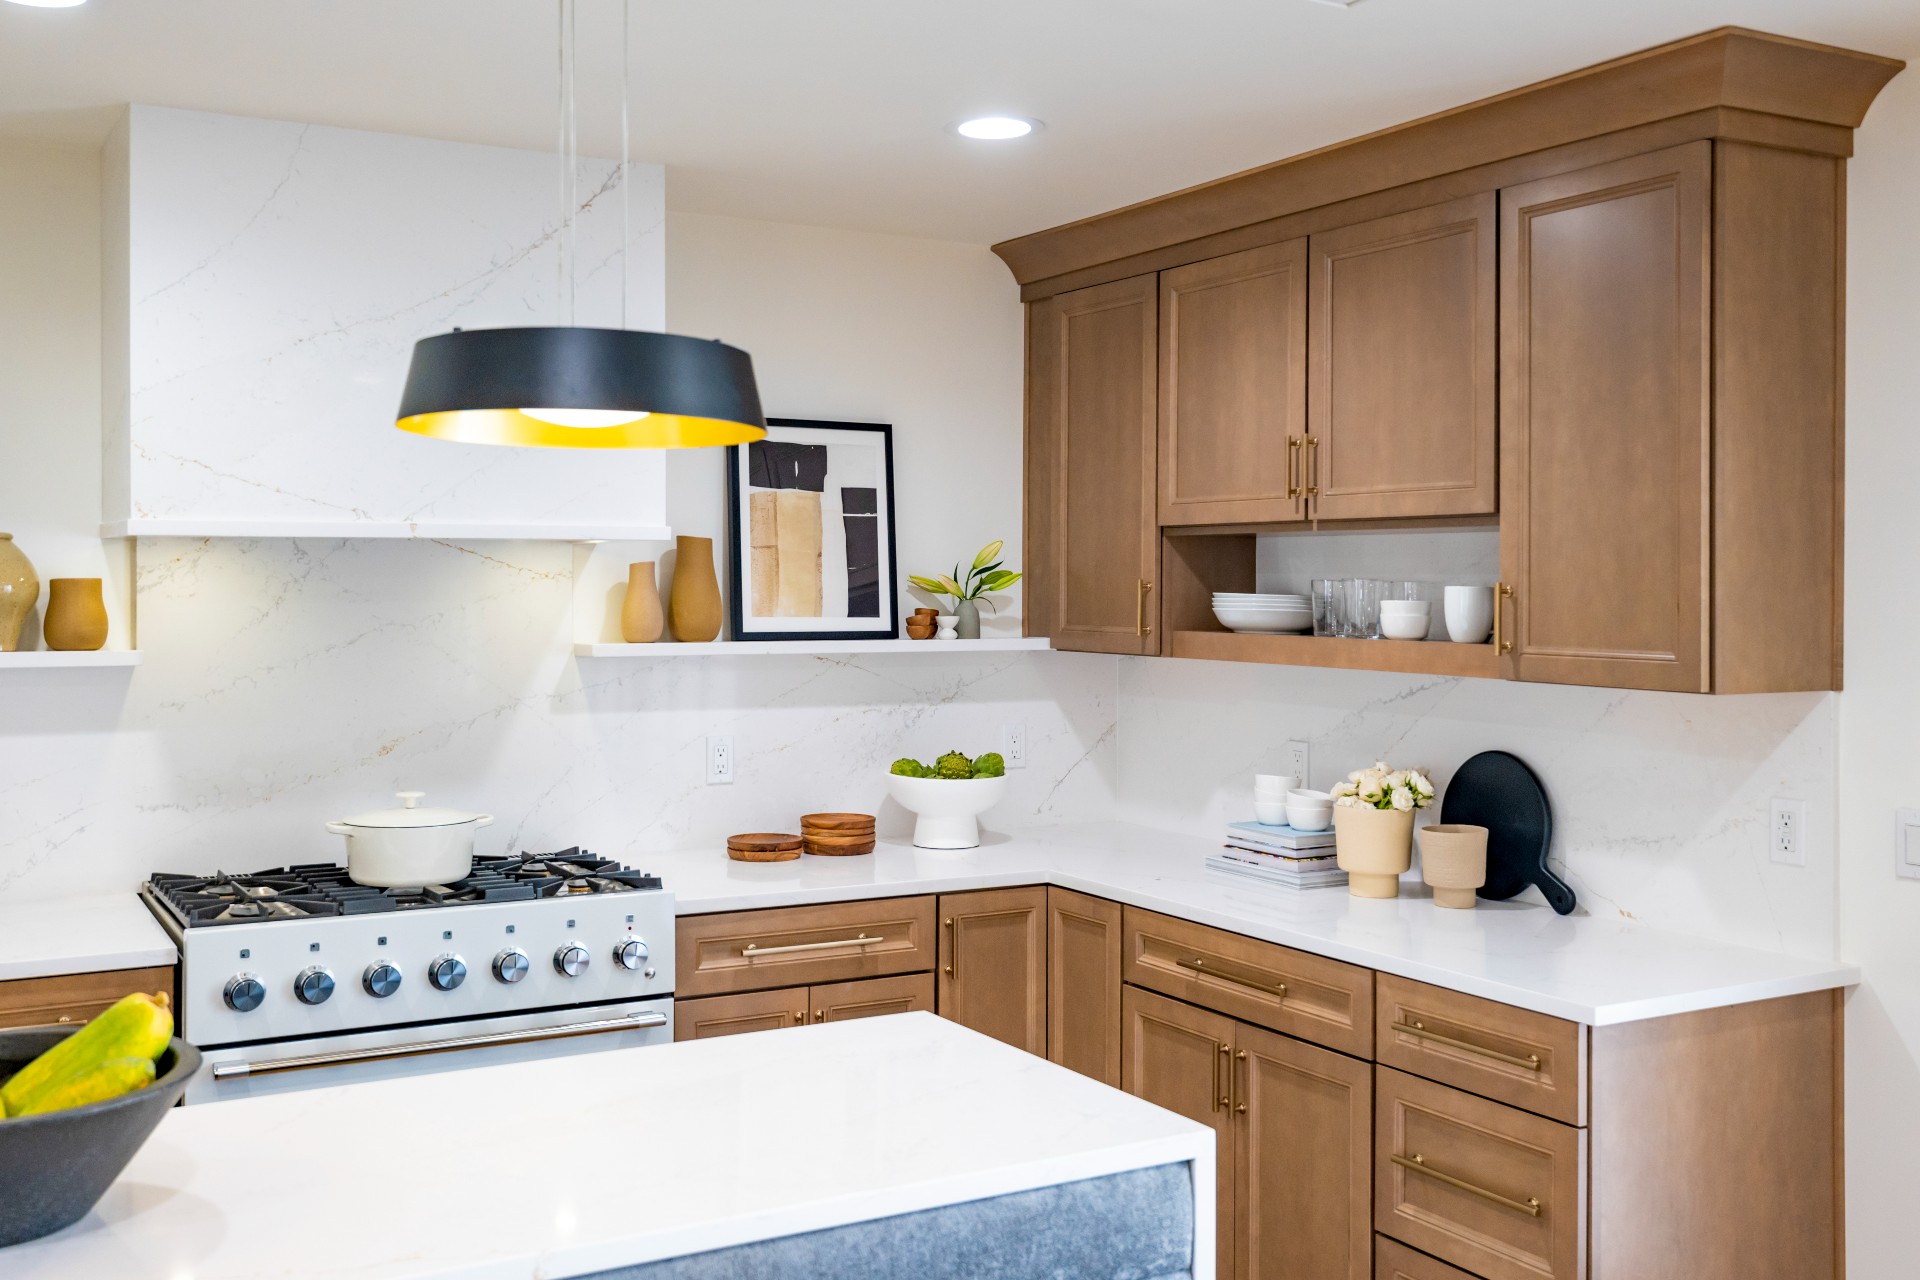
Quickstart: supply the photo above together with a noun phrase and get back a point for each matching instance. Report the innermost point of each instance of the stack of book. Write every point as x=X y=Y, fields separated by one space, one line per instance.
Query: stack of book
x=1279 y=855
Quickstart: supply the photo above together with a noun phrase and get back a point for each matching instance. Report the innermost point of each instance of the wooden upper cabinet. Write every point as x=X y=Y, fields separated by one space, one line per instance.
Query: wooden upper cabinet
x=993 y=964
x=1233 y=387
x=1092 y=405
x=1605 y=423
x=1403 y=371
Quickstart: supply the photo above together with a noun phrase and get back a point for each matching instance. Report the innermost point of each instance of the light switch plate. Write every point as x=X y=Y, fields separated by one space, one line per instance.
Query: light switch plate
x=1906 y=843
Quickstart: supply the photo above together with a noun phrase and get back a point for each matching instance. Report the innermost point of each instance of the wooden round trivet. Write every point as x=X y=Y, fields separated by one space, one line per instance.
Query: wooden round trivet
x=837 y=821
x=764 y=846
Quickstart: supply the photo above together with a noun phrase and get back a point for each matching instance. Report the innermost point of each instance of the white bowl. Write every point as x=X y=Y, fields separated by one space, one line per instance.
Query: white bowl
x=1421 y=607
x=1263 y=620
x=1303 y=818
x=948 y=808
x=1400 y=626
x=1271 y=812
x=1257 y=595
x=1279 y=784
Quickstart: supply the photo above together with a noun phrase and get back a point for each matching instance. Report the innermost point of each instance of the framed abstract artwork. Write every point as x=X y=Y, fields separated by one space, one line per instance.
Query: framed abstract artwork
x=810 y=510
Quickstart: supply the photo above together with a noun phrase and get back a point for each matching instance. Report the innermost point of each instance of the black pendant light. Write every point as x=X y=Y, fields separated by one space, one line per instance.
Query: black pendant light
x=576 y=388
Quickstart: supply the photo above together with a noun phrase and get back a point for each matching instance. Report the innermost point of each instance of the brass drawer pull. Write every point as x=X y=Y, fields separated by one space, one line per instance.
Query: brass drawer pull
x=1417 y=1164
x=1529 y=1063
x=1293 y=466
x=1225 y=975
x=953 y=948
x=1142 y=627
x=755 y=949
x=1240 y=1108
x=1312 y=444
x=1222 y=1098
x=1501 y=593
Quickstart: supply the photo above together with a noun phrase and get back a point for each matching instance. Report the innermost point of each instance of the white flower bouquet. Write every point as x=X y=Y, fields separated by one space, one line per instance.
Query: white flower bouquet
x=1384 y=787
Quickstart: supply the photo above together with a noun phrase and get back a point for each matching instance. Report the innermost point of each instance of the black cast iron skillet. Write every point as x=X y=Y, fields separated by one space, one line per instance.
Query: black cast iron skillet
x=1496 y=791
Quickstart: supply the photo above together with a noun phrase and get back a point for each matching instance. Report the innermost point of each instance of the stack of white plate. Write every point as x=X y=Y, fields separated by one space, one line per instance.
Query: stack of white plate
x=1262 y=611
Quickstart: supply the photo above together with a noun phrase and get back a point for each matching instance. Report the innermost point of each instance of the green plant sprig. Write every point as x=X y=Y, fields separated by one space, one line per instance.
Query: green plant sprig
x=986 y=575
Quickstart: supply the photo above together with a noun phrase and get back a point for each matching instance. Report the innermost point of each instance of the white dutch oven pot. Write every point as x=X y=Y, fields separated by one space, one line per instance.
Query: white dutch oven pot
x=396 y=848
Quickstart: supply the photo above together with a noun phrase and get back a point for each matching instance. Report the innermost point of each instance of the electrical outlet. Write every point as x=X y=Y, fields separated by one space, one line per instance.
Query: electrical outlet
x=1906 y=843
x=1787 y=832
x=1299 y=762
x=719 y=759
x=1013 y=744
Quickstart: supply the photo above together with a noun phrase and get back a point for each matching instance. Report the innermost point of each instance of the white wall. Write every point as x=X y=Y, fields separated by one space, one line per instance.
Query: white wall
x=857 y=326
x=1880 y=710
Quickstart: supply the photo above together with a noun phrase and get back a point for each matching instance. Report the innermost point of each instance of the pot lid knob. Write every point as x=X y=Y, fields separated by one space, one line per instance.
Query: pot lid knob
x=411 y=799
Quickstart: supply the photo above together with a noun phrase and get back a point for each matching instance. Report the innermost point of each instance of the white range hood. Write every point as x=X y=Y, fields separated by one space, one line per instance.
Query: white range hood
x=264 y=285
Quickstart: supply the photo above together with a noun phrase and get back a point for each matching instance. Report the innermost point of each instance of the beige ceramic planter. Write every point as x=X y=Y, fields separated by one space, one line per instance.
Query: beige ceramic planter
x=1453 y=860
x=1373 y=846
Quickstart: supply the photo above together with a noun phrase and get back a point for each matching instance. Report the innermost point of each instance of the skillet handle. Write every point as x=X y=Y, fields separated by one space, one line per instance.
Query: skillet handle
x=1559 y=893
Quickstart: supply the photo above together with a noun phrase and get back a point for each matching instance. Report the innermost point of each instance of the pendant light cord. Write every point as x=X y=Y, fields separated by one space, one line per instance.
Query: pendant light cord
x=626 y=149
x=569 y=160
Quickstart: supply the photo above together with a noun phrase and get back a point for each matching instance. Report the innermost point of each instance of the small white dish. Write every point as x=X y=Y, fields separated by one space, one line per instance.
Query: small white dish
x=1275 y=784
x=1271 y=812
x=1309 y=810
x=1400 y=626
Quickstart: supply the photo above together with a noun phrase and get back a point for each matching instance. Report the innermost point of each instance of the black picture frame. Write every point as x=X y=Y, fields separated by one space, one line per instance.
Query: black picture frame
x=746 y=627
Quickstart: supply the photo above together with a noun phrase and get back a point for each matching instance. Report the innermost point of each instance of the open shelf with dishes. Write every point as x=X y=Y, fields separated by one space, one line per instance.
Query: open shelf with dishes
x=1274 y=574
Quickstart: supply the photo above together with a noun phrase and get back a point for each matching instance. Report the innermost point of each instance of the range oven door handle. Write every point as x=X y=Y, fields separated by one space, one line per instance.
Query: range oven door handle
x=241 y=1070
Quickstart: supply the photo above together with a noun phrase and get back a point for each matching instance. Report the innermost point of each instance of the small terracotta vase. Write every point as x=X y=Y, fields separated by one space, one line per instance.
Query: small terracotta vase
x=641 y=616
x=693 y=604
x=19 y=592
x=1453 y=860
x=76 y=614
x=1373 y=846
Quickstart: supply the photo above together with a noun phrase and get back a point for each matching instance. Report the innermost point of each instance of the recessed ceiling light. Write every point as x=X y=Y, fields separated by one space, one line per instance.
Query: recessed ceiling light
x=50 y=4
x=996 y=128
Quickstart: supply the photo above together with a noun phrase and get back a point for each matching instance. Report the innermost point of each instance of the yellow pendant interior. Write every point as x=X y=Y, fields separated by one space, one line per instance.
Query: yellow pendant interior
x=520 y=427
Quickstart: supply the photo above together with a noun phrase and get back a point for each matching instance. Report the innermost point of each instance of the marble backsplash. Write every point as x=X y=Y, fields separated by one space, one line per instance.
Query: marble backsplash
x=1660 y=801
x=288 y=682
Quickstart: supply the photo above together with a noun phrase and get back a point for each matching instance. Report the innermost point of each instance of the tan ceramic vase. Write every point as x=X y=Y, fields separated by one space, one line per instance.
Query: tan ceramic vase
x=19 y=592
x=693 y=605
x=1453 y=861
x=1373 y=846
x=641 y=616
x=76 y=614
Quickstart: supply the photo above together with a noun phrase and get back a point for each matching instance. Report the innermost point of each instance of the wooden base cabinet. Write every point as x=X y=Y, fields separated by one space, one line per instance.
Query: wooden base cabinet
x=1083 y=984
x=993 y=964
x=797 y=1006
x=75 y=997
x=1294 y=1125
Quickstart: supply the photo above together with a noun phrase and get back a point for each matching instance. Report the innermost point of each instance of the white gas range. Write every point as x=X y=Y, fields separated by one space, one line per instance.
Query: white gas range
x=298 y=977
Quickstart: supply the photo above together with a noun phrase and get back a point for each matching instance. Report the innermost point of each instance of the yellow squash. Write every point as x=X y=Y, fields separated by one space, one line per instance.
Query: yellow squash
x=138 y=1026
x=110 y=1079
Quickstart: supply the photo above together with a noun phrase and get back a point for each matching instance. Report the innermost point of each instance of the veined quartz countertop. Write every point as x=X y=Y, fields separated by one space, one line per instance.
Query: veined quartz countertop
x=80 y=935
x=1579 y=967
x=566 y=1168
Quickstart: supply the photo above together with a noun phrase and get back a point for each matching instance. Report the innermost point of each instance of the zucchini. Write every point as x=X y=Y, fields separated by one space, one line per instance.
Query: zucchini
x=110 y=1079
x=137 y=1026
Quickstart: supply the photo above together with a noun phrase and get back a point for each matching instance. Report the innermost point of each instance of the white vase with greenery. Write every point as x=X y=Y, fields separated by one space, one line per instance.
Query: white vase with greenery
x=969 y=592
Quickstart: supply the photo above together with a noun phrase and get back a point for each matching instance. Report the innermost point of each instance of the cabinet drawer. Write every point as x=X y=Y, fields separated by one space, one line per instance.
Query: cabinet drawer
x=75 y=997
x=1394 y=1261
x=797 y=946
x=1490 y=1188
x=1292 y=991
x=872 y=997
x=736 y=1015
x=1511 y=1055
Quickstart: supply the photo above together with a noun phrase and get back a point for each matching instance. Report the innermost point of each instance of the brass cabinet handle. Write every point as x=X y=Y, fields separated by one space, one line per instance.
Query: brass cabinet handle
x=1313 y=466
x=1240 y=1106
x=1416 y=1028
x=819 y=1015
x=799 y=1015
x=1417 y=1163
x=1501 y=592
x=1222 y=1095
x=1293 y=460
x=1141 y=626
x=755 y=949
x=953 y=948
x=1227 y=975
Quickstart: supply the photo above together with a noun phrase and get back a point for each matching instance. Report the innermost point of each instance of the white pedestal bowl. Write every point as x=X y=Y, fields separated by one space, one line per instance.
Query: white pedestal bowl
x=947 y=808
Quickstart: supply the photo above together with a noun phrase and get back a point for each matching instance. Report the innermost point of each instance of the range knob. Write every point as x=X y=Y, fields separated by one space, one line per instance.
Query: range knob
x=510 y=965
x=244 y=993
x=630 y=954
x=572 y=960
x=313 y=986
x=447 y=972
x=381 y=979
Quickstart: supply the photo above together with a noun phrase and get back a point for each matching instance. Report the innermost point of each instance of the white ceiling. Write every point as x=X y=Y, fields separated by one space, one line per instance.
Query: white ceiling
x=835 y=111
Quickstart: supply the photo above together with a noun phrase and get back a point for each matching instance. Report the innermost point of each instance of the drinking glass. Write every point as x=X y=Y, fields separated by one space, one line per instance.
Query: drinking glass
x=1362 y=614
x=1329 y=607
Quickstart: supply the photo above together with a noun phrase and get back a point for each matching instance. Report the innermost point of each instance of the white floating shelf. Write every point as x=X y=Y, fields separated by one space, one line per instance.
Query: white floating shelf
x=803 y=648
x=449 y=531
x=43 y=658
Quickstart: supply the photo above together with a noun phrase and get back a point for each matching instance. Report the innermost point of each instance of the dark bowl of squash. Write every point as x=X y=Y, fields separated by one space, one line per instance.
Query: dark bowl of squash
x=59 y=1163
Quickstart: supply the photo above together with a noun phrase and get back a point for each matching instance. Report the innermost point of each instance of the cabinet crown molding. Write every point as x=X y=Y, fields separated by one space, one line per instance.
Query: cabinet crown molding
x=1724 y=77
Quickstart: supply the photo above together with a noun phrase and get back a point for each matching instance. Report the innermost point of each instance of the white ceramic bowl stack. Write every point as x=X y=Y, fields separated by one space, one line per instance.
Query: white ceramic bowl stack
x=1309 y=810
x=1270 y=797
x=1262 y=611
x=1405 y=619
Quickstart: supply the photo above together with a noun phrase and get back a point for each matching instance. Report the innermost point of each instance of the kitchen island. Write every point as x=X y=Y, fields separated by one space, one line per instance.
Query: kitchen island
x=623 y=1160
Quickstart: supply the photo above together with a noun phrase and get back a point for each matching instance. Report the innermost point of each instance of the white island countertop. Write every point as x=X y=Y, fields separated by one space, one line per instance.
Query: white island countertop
x=556 y=1169
x=91 y=934
x=1583 y=968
